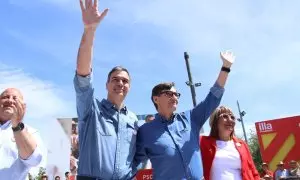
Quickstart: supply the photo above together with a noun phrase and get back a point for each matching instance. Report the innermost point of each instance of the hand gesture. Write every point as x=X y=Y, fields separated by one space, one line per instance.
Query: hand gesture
x=19 y=112
x=91 y=16
x=227 y=58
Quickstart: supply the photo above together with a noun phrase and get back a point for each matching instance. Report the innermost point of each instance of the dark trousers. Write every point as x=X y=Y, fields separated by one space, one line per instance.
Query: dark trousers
x=85 y=178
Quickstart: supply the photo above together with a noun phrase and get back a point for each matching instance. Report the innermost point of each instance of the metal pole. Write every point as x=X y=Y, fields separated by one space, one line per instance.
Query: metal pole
x=190 y=82
x=242 y=121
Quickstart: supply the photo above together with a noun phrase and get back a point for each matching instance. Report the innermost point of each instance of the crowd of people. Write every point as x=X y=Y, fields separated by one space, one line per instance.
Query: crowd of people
x=107 y=142
x=293 y=172
x=44 y=176
x=74 y=150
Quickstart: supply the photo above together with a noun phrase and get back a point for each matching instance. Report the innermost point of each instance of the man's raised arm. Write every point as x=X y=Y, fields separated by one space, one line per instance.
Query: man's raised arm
x=91 y=18
x=204 y=109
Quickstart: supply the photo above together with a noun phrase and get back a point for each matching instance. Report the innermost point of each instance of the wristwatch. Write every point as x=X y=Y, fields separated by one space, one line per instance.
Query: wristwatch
x=226 y=69
x=19 y=127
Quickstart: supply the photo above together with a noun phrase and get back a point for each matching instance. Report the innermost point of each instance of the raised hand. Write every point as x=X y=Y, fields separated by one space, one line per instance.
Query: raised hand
x=228 y=58
x=19 y=112
x=91 y=16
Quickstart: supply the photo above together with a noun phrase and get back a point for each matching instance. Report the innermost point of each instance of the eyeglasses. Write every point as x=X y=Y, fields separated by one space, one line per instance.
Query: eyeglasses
x=227 y=116
x=170 y=94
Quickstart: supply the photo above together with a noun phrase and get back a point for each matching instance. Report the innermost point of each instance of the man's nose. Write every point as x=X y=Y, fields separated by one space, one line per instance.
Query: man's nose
x=10 y=99
x=120 y=82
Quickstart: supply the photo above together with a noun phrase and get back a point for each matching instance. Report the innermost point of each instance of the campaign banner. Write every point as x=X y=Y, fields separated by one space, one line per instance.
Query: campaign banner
x=279 y=140
x=144 y=174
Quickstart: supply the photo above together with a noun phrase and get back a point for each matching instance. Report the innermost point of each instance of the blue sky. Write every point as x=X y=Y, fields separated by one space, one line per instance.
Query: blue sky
x=40 y=39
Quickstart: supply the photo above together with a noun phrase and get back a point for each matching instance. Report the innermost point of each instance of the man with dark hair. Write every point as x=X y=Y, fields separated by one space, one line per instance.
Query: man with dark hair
x=171 y=141
x=57 y=178
x=107 y=129
x=149 y=118
x=67 y=175
x=280 y=172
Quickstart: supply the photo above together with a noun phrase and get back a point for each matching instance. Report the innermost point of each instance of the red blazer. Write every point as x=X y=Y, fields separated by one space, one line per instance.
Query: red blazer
x=208 y=150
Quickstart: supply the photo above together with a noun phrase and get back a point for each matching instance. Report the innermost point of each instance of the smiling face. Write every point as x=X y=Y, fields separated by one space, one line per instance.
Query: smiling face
x=165 y=98
x=226 y=124
x=118 y=85
x=8 y=100
x=222 y=123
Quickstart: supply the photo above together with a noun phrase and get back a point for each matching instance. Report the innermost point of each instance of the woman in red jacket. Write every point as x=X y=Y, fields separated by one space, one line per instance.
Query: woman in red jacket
x=224 y=156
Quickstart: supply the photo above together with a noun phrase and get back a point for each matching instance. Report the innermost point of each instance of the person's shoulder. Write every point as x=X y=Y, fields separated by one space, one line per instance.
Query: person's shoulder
x=132 y=115
x=185 y=114
x=239 y=142
x=148 y=126
x=132 y=118
x=236 y=139
x=144 y=126
x=206 y=139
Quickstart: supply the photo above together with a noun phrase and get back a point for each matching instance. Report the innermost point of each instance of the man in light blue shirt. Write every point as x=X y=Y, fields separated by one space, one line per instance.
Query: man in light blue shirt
x=107 y=129
x=171 y=140
x=281 y=172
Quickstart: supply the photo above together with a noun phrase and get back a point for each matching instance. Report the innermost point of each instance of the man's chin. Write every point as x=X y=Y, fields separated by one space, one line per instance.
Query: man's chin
x=7 y=114
x=118 y=96
x=174 y=108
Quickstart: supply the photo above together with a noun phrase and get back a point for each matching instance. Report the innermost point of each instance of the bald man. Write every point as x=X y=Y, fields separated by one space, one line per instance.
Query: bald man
x=20 y=145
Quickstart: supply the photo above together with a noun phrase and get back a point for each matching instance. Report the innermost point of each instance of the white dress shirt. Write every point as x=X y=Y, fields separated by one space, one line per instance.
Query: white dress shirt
x=227 y=162
x=12 y=167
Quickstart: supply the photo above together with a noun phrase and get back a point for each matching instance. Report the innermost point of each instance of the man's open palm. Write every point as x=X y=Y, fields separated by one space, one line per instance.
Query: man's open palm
x=90 y=14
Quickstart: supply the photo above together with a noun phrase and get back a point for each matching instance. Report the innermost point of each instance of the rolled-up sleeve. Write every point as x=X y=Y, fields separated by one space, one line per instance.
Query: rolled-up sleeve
x=217 y=90
x=84 y=94
x=39 y=155
x=34 y=159
x=204 y=109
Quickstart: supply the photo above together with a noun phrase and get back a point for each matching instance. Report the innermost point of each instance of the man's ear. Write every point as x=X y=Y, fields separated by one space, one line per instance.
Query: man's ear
x=155 y=99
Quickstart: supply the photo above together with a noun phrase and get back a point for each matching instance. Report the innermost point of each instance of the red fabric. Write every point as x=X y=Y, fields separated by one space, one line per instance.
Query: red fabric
x=268 y=172
x=72 y=177
x=208 y=150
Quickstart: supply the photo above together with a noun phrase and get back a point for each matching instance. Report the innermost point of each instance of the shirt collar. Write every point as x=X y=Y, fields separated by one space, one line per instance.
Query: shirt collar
x=108 y=105
x=164 y=120
x=5 y=125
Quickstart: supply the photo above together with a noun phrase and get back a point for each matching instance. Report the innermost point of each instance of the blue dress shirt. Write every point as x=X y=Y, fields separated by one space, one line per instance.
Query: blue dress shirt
x=107 y=137
x=173 y=145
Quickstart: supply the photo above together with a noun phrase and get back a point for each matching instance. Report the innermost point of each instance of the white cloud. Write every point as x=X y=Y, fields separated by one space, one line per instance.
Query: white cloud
x=43 y=99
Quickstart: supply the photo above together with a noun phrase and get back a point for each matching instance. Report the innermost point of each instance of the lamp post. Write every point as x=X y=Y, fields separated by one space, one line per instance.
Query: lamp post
x=190 y=82
x=242 y=114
